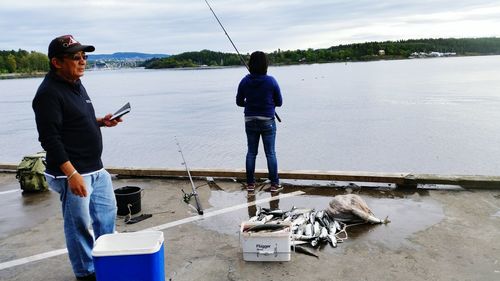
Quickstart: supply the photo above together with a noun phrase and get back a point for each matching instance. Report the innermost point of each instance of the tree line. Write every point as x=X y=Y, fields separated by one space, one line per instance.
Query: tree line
x=194 y=59
x=351 y=52
x=22 y=61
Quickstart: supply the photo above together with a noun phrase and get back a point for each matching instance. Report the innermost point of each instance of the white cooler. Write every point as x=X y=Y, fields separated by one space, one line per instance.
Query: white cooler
x=265 y=246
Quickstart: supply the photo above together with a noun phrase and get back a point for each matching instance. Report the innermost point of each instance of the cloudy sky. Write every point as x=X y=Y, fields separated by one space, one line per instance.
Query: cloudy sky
x=176 y=26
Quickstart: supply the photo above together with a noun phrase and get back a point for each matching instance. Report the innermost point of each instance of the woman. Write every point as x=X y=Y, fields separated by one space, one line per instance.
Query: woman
x=259 y=93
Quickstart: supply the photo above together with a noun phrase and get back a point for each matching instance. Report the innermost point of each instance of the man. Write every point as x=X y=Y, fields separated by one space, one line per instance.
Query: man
x=70 y=133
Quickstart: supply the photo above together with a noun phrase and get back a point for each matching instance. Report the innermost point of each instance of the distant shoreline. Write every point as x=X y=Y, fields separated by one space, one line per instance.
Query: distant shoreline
x=21 y=75
x=6 y=76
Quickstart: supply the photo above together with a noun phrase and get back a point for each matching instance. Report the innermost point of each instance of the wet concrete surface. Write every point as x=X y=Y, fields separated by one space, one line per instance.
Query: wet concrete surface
x=433 y=234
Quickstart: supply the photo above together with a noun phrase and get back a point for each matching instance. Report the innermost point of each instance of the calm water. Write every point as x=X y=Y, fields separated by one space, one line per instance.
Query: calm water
x=420 y=116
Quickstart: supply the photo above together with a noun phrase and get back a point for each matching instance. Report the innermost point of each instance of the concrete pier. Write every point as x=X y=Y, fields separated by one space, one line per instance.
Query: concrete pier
x=433 y=234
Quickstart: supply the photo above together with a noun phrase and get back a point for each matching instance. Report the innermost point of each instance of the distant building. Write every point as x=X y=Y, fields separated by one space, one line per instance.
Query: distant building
x=381 y=52
x=99 y=64
x=415 y=55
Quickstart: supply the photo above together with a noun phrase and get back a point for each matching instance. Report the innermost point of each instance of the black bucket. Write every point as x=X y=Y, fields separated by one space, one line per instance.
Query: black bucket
x=128 y=195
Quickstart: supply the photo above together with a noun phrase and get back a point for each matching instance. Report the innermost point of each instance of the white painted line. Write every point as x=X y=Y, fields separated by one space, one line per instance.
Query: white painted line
x=223 y=211
x=38 y=257
x=54 y=253
x=9 y=191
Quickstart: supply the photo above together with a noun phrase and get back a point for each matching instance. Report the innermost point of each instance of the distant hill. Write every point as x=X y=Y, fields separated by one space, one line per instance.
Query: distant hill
x=125 y=56
x=369 y=51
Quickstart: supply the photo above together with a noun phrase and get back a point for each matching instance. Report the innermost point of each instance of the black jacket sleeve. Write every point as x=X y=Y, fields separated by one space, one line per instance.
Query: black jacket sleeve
x=49 y=117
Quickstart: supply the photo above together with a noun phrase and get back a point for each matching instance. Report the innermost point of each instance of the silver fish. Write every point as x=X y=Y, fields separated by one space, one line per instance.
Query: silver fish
x=266 y=218
x=337 y=226
x=316 y=229
x=314 y=242
x=267 y=226
x=324 y=233
x=332 y=240
x=299 y=220
x=300 y=229
x=298 y=242
x=257 y=213
x=312 y=217
x=304 y=250
x=253 y=219
x=302 y=237
x=300 y=211
x=320 y=214
x=309 y=230
x=277 y=212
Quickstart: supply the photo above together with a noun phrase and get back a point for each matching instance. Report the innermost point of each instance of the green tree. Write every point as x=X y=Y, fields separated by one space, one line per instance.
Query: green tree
x=11 y=64
x=38 y=62
x=352 y=52
x=3 y=67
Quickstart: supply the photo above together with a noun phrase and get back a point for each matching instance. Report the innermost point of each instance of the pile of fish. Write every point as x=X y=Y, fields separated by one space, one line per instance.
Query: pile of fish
x=307 y=225
x=312 y=227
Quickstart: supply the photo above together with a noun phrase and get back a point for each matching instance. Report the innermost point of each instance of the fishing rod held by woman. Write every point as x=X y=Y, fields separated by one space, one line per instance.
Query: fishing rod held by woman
x=260 y=93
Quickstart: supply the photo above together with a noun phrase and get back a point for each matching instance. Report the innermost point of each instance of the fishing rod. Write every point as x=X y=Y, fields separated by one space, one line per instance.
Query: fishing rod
x=234 y=46
x=187 y=196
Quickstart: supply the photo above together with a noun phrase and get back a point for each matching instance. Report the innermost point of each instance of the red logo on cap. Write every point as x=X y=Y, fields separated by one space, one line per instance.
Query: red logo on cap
x=71 y=41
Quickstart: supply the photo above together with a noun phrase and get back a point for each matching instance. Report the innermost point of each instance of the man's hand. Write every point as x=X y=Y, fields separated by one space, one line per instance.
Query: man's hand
x=77 y=185
x=75 y=180
x=107 y=122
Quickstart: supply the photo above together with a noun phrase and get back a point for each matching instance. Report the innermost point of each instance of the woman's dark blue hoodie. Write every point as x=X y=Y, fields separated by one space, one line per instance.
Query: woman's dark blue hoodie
x=259 y=94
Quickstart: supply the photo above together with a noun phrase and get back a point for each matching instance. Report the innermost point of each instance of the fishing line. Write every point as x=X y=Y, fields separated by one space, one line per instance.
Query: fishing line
x=234 y=46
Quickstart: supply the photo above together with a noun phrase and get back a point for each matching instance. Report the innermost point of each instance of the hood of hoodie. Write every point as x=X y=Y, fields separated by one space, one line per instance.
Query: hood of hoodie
x=256 y=79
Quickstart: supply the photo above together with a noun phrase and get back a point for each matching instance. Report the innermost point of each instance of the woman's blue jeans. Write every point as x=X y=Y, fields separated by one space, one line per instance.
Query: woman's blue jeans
x=98 y=209
x=267 y=130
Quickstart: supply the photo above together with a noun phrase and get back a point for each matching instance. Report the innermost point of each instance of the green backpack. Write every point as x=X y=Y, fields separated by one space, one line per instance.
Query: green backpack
x=30 y=173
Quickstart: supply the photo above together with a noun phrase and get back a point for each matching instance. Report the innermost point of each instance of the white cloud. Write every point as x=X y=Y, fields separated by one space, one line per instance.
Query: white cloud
x=174 y=26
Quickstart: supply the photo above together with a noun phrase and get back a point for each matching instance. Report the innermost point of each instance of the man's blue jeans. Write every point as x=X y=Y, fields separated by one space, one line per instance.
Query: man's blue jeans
x=267 y=129
x=98 y=209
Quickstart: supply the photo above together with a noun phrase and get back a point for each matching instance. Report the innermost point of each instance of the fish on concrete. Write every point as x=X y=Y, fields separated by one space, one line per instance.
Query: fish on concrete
x=266 y=227
x=306 y=251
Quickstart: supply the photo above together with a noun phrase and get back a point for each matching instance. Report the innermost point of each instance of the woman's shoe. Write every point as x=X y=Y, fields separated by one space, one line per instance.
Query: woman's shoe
x=250 y=187
x=276 y=188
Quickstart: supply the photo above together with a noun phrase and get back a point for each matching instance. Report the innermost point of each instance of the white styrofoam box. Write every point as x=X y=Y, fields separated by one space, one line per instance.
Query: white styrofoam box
x=265 y=246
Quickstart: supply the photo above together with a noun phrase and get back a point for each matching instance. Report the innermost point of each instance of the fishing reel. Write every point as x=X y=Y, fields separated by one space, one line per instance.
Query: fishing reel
x=186 y=196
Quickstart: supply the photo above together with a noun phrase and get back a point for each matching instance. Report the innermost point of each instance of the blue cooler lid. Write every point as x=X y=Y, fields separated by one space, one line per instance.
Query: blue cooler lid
x=130 y=243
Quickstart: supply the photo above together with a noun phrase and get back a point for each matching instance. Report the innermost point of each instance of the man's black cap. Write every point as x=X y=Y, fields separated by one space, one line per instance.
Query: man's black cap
x=66 y=44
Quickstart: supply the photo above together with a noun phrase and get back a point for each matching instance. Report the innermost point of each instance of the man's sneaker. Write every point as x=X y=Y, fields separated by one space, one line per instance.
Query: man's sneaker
x=250 y=187
x=276 y=188
x=90 y=277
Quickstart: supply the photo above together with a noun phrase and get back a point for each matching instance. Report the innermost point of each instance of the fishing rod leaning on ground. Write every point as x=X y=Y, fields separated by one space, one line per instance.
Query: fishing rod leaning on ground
x=187 y=196
x=234 y=46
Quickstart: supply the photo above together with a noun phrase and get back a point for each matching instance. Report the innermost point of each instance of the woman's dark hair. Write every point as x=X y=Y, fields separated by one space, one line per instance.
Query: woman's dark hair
x=258 y=63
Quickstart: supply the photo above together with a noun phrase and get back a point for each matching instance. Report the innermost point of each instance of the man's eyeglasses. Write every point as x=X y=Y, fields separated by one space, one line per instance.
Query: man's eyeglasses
x=78 y=57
